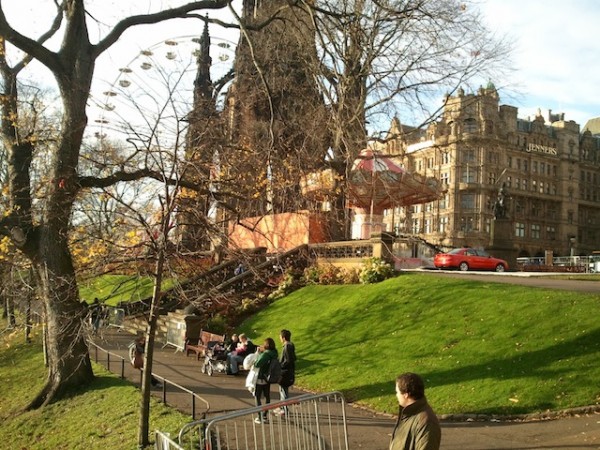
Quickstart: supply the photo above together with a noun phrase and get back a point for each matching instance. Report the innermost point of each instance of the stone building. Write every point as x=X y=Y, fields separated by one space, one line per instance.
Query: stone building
x=550 y=172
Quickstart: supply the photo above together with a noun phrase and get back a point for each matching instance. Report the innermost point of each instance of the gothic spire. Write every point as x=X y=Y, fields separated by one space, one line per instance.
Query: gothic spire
x=203 y=83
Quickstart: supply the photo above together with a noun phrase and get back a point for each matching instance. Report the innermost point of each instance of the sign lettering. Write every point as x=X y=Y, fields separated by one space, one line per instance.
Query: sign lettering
x=536 y=148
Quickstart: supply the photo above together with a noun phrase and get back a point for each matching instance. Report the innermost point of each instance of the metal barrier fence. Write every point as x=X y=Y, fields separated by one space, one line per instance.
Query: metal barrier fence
x=163 y=441
x=306 y=422
x=116 y=316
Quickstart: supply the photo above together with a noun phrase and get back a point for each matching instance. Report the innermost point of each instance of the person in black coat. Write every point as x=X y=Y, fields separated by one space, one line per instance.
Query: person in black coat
x=288 y=365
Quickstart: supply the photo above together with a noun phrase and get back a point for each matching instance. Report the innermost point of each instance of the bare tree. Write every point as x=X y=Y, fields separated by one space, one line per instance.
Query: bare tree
x=45 y=241
x=381 y=58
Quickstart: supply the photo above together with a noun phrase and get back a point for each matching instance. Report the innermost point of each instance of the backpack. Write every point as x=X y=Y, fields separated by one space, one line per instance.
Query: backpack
x=274 y=371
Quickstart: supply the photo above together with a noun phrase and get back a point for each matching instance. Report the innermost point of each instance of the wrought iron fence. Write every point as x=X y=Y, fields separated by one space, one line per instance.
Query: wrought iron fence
x=310 y=421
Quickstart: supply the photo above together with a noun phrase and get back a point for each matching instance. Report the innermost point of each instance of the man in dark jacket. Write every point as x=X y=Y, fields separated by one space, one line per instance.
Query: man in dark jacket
x=288 y=367
x=417 y=427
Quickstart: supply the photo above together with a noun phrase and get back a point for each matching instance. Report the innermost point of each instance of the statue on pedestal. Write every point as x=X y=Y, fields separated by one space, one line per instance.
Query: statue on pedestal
x=501 y=204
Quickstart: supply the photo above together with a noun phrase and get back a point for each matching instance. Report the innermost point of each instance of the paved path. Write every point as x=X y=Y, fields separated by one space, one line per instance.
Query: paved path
x=541 y=280
x=366 y=430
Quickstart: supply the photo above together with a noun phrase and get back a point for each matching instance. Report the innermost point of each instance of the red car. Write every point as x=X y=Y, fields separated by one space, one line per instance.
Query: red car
x=469 y=258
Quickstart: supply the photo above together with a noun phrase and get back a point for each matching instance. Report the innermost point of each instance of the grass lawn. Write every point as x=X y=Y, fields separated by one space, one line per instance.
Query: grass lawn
x=103 y=416
x=482 y=347
x=115 y=289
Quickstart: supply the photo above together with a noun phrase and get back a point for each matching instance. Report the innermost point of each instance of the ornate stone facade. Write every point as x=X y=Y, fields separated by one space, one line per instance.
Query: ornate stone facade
x=550 y=171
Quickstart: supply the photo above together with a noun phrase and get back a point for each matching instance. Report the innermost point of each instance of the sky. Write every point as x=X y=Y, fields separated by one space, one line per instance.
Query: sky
x=555 y=53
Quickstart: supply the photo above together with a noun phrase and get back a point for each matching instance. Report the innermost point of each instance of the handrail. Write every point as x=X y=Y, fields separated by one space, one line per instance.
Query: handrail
x=165 y=381
x=109 y=354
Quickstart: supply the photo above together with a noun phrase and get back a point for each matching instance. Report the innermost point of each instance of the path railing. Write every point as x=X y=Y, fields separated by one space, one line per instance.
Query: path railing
x=112 y=359
x=310 y=421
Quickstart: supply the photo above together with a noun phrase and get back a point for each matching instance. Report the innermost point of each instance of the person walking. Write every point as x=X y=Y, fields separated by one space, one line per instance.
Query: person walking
x=263 y=388
x=417 y=427
x=288 y=367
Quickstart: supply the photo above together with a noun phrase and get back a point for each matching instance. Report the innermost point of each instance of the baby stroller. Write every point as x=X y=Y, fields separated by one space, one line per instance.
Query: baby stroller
x=215 y=358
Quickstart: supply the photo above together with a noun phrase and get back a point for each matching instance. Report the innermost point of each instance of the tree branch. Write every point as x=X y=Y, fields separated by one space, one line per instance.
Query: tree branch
x=149 y=19
x=34 y=49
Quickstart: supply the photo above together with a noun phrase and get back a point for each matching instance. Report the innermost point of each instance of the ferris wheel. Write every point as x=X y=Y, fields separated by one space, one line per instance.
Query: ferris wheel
x=149 y=98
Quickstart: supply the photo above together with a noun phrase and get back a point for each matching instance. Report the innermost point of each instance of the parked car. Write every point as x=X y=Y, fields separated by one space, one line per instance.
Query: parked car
x=469 y=259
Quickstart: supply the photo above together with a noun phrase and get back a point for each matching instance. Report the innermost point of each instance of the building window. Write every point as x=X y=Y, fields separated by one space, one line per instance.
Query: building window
x=535 y=231
x=570 y=217
x=551 y=212
x=535 y=209
x=445 y=158
x=415 y=226
x=508 y=182
x=551 y=233
x=525 y=165
x=469 y=175
x=468 y=223
x=492 y=178
x=443 y=224
x=445 y=178
x=469 y=155
x=519 y=229
x=525 y=186
x=427 y=223
x=467 y=201
x=444 y=202
x=509 y=162
x=470 y=126
x=534 y=166
x=541 y=187
x=542 y=168
x=517 y=184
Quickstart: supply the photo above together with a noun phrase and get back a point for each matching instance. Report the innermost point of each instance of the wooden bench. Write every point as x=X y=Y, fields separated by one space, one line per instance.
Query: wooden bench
x=199 y=345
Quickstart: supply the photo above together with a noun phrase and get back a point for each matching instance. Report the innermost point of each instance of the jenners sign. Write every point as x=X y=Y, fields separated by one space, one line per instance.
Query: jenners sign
x=535 y=148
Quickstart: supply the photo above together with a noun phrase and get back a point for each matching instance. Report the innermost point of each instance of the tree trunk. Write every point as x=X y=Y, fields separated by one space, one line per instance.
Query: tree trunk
x=69 y=365
x=144 y=424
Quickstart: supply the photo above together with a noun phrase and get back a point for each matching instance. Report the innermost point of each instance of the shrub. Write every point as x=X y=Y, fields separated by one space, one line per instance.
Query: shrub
x=311 y=275
x=350 y=276
x=290 y=281
x=375 y=270
x=217 y=324
x=330 y=274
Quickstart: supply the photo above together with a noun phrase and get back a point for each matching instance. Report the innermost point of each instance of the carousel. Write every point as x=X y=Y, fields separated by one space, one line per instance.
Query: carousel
x=376 y=183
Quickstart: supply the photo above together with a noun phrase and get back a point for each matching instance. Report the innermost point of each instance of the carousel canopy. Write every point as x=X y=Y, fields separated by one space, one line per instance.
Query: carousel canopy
x=376 y=182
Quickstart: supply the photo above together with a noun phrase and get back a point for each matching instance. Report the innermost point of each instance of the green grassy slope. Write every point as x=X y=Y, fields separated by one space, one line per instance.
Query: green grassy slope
x=481 y=347
x=115 y=289
x=104 y=416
